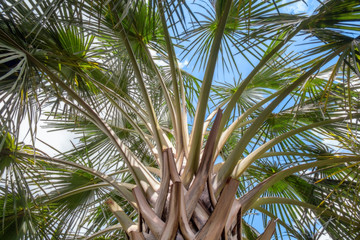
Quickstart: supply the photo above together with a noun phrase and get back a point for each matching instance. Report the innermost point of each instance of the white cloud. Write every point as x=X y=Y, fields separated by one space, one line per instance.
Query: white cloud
x=332 y=143
x=162 y=63
x=183 y=64
x=324 y=75
x=319 y=229
x=60 y=140
x=298 y=7
x=158 y=62
x=325 y=236
x=326 y=140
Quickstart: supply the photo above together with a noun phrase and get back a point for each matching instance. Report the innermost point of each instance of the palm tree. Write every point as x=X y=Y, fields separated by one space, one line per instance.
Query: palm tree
x=163 y=154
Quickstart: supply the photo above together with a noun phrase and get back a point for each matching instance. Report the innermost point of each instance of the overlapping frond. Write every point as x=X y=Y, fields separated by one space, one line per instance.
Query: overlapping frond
x=285 y=148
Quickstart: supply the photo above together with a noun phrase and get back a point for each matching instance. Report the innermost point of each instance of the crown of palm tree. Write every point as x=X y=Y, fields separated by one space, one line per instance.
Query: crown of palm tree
x=239 y=147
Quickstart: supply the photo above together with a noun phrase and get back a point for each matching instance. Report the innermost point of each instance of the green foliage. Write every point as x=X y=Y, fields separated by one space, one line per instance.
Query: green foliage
x=110 y=72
